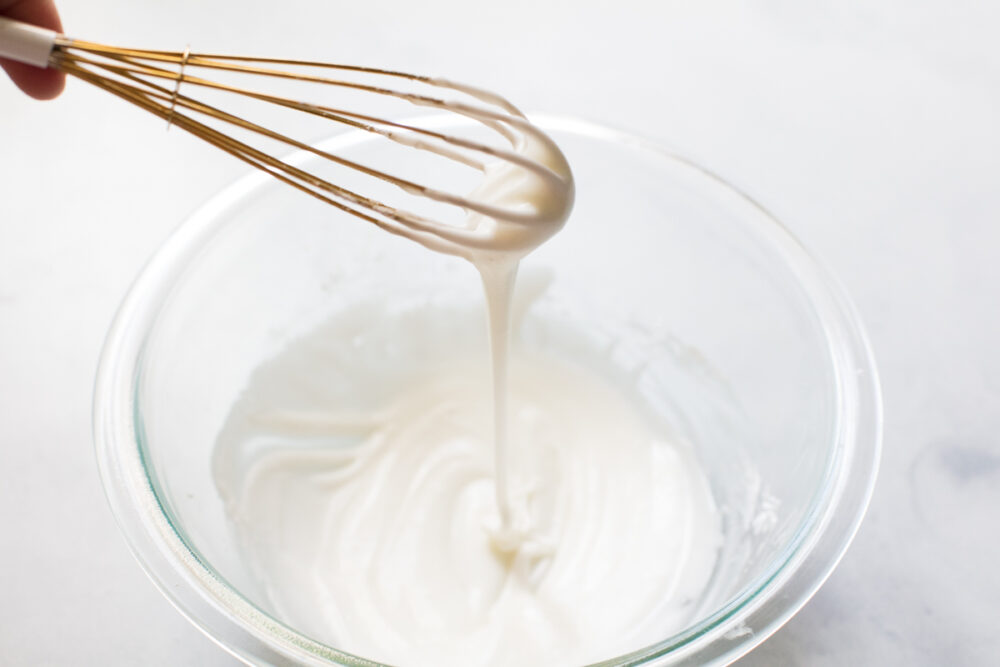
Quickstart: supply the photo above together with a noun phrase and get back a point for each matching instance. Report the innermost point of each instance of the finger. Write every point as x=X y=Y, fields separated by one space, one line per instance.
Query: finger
x=39 y=83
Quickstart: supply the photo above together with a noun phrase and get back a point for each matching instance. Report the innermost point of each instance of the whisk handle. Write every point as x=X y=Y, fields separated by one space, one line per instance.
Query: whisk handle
x=26 y=43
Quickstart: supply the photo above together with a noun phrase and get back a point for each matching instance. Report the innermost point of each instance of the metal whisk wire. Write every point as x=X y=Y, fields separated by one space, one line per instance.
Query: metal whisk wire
x=159 y=82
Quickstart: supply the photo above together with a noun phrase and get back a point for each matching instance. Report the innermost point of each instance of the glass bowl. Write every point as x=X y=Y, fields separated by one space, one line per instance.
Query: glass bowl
x=733 y=333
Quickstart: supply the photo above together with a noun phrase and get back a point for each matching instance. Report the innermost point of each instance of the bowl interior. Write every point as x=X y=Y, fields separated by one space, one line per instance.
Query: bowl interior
x=663 y=277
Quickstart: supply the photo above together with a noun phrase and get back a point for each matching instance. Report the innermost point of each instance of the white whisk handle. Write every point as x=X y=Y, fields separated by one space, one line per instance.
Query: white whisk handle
x=26 y=43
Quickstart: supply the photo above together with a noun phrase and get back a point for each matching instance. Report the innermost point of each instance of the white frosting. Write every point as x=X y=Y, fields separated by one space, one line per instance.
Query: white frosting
x=549 y=200
x=387 y=548
x=524 y=195
x=548 y=524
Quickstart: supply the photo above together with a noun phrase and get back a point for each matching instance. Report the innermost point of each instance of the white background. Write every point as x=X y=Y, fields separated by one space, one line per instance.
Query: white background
x=871 y=129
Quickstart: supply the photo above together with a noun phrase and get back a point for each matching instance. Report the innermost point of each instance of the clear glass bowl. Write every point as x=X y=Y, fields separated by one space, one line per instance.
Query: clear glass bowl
x=737 y=337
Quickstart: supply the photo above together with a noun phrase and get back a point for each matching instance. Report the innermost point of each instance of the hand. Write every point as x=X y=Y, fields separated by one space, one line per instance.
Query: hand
x=42 y=84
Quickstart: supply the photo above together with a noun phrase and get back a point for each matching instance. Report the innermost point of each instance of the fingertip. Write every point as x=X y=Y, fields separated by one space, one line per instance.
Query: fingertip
x=42 y=13
x=47 y=84
x=41 y=84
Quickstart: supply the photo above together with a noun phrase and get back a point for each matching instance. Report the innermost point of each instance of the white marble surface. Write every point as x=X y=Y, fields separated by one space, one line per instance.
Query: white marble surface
x=872 y=129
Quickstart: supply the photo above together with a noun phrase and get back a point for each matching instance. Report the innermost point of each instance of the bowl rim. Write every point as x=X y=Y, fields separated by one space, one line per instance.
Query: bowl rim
x=252 y=636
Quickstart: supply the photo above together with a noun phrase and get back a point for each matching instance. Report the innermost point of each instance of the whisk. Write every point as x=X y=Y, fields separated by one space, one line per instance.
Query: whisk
x=159 y=82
